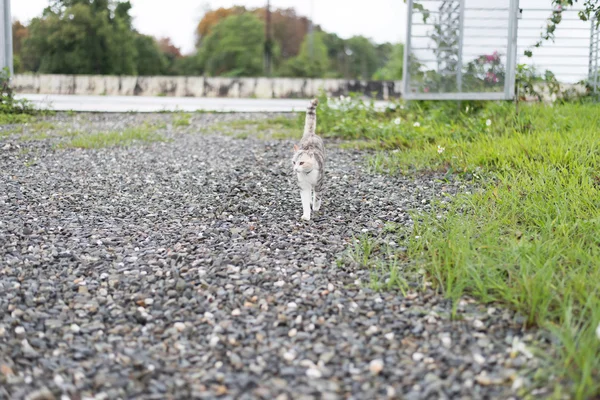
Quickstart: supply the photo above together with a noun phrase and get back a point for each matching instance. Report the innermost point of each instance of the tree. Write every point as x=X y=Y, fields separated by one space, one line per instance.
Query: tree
x=362 y=60
x=313 y=60
x=394 y=67
x=150 y=59
x=81 y=37
x=171 y=53
x=19 y=33
x=234 y=47
x=337 y=56
x=212 y=18
x=288 y=29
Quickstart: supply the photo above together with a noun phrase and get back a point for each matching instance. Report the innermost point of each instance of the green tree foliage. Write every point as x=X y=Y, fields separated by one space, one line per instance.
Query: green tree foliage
x=313 y=60
x=19 y=33
x=150 y=59
x=234 y=47
x=362 y=61
x=81 y=37
x=393 y=68
x=337 y=57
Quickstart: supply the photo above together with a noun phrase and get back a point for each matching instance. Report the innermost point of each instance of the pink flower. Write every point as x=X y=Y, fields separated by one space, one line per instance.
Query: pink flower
x=426 y=90
x=491 y=77
x=494 y=57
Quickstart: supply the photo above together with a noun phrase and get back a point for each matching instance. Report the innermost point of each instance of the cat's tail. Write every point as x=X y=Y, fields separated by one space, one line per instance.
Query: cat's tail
x=310 y=124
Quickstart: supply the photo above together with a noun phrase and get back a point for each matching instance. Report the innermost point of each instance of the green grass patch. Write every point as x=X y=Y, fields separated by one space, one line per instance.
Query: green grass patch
x=278 y=128
x=529 y=236
x=127 y=137
x=182 y=120
x=9 y=119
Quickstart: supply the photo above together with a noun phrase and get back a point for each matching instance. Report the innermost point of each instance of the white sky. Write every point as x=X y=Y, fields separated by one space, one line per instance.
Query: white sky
x=380 y=20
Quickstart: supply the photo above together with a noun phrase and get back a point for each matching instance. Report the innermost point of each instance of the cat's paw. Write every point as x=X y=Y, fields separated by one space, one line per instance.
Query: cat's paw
x=305 y=217
x=317 y=206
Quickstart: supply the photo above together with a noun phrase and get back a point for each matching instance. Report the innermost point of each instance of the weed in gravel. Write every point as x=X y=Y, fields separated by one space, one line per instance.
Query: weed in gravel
x=277 y=128
x=182 y=120
x=125 y=137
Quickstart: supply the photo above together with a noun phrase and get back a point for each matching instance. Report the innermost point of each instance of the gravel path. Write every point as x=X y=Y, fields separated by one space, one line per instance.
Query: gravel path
x=182 y=270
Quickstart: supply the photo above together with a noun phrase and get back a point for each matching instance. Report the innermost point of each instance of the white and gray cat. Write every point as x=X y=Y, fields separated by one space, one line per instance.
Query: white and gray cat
x=309 y=163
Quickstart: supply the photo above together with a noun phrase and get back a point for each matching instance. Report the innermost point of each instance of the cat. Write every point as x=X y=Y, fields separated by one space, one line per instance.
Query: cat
x=309 y=163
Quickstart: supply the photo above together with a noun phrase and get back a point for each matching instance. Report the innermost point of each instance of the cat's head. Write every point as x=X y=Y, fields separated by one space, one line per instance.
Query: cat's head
x=303 y=161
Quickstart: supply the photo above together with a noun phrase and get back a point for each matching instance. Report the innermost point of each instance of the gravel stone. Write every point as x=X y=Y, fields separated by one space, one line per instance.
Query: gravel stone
x=181 y=269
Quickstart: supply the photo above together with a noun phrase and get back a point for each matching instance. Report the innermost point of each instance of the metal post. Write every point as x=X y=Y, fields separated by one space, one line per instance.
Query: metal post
x=461 y=22
x=597 y=37
x=591 y=58
x=6 y=56
x=511 y=56
x=406 y=72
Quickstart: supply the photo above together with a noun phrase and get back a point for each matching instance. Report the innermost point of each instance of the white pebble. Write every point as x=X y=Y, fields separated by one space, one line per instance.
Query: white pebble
x=478 y=324
x=418 y=356
x=214 y=340
x=479 y=359
x=236 y=312
x=208 y=315
x=372 y=330
x=180 y=326
x=75 y=328
x=148 y=301
x=313 y=373
x=59 y=380
x=292 y=305
x=279 y=283
x=293 y=332
x=389 y=336
x=446 y=341
x=330 y=287
x=289 y=355
x=376 y=366
x=19 y=330
x=517 y=384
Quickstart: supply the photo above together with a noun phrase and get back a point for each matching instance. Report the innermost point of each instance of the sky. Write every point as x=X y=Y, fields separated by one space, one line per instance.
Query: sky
x=380 y=20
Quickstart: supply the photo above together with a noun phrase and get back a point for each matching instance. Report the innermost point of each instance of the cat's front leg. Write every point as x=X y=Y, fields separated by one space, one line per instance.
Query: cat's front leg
x=305 y=196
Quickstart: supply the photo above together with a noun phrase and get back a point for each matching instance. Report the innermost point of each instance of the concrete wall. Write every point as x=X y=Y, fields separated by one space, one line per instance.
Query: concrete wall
x=196 y=86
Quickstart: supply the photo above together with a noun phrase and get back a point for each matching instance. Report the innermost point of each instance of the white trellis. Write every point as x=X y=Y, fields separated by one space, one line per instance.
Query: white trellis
x=469 y=49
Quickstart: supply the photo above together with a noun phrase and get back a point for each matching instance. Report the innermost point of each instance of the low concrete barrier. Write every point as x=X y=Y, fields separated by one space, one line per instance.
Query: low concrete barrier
x=196 y=86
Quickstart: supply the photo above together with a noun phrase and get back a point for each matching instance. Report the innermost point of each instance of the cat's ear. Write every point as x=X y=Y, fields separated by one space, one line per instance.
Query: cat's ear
x=296 y=148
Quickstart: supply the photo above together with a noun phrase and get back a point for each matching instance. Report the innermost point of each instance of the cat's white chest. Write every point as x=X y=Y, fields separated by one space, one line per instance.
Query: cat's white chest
x=308 y=181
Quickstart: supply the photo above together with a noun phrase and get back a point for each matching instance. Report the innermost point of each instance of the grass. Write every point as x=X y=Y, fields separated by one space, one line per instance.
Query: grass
x=182 y=120
x=273 y=128
x=9 y=119
x=529 y=236
x=125 y=137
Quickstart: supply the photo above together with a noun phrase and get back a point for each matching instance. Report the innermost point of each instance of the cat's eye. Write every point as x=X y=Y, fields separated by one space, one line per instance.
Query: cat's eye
x=302 y=163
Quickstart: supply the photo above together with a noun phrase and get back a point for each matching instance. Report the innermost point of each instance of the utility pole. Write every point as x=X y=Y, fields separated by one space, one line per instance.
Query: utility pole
x=6 y=56
x=268 y=40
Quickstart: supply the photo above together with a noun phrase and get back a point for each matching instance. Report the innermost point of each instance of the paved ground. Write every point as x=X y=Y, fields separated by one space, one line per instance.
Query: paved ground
x=182 y=270
x=158 y=104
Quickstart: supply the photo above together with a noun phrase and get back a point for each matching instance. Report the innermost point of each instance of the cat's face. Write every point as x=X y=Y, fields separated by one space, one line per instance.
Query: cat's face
x=303 y=161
